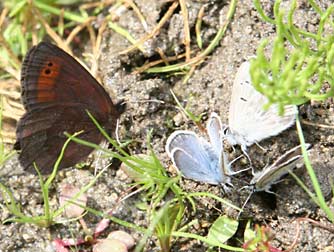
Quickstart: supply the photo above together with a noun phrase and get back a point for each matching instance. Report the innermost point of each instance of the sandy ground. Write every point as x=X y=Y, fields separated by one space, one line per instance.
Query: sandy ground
x=151 y=106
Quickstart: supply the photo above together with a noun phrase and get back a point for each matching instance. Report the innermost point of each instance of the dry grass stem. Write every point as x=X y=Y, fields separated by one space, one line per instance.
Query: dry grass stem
x=96 y=4
x=155 y=31
x=157 y=62
x=78 y=29
x=186 y=40
x=138 y=13
x=319 y=125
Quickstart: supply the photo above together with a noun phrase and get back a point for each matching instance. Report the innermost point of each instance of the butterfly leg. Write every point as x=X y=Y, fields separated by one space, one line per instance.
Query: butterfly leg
x=244 y=151
x=226 y=187
x=231 y=172
x=262 y=148
x=271 y=192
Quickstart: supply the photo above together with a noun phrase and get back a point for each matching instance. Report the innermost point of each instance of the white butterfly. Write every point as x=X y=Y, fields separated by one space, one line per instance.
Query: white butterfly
x=248 y=122
x=198 y=159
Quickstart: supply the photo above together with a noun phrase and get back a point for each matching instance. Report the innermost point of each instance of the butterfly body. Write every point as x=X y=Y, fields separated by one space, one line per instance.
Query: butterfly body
x=57 y=92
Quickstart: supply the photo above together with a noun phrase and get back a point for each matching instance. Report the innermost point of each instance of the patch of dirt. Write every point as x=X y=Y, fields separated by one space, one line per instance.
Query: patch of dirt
x=150 y=105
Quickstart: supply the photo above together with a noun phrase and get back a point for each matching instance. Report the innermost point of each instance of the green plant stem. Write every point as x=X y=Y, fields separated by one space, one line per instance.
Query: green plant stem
x=68 y=15
x=313 y=177
x=123 y=32
x=259 y=9
x=206 y=240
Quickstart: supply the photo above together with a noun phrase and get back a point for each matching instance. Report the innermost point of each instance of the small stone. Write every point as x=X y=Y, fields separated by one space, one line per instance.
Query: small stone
x=68 y=191
x=110 y=245
x=178 y=119
x=123 y=237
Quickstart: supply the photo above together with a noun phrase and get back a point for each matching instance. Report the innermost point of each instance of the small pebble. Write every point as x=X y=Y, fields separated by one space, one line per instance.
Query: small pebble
x=123 y=237
x=67 y=192
x=109 y=245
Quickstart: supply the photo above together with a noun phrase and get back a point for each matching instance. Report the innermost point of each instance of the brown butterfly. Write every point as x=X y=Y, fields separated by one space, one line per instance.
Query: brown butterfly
x=57 y=92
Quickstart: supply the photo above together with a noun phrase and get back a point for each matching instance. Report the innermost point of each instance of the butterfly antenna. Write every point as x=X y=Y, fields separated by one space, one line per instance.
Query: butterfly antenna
x=116 y=132
x=247 y=199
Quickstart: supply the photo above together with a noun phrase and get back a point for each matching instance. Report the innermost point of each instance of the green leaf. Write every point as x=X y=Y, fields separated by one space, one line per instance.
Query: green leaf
x=223 y=229
x=249 y=233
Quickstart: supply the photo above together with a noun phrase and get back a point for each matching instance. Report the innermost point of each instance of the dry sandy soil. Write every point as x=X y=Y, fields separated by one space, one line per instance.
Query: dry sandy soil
x=151 y=106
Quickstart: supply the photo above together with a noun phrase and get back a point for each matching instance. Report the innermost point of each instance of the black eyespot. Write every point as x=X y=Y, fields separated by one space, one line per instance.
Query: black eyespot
x=47 y=71
x=50 y=64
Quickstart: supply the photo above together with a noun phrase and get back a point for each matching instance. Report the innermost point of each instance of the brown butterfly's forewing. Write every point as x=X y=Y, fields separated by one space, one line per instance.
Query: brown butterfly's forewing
x=56 y=92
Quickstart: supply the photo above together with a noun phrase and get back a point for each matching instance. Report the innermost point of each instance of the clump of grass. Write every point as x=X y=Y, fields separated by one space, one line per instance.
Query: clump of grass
x=47 y=219
x=165 y=215
x=301 y=65
x=4 y=153
x=22 y=21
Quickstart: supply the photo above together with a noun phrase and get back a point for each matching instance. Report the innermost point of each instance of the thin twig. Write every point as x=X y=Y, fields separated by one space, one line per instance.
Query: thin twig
x=104 y=3
x=77 y=29
x=138 y=13
x=162 y=55
x=206 y=52
x=97 y=46
x=313 y=222
x=157 y=62
x=186 y=40
x=5 y=45
x=319 y=125
x=155 y=31
x=198 y=26
x=3 y=17
x=50 y=31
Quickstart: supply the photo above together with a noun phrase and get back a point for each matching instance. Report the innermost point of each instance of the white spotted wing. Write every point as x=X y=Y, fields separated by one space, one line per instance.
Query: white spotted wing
x=248 y=122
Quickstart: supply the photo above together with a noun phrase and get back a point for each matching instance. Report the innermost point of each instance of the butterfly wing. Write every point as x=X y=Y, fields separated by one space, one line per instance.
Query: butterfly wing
x=56 y=92
x=263 y=180
x=248 y=122
x=194 y=157
x=215 y=132
x=192 y=168
x=50 y=76
x=42 y=137
x=214 y=129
